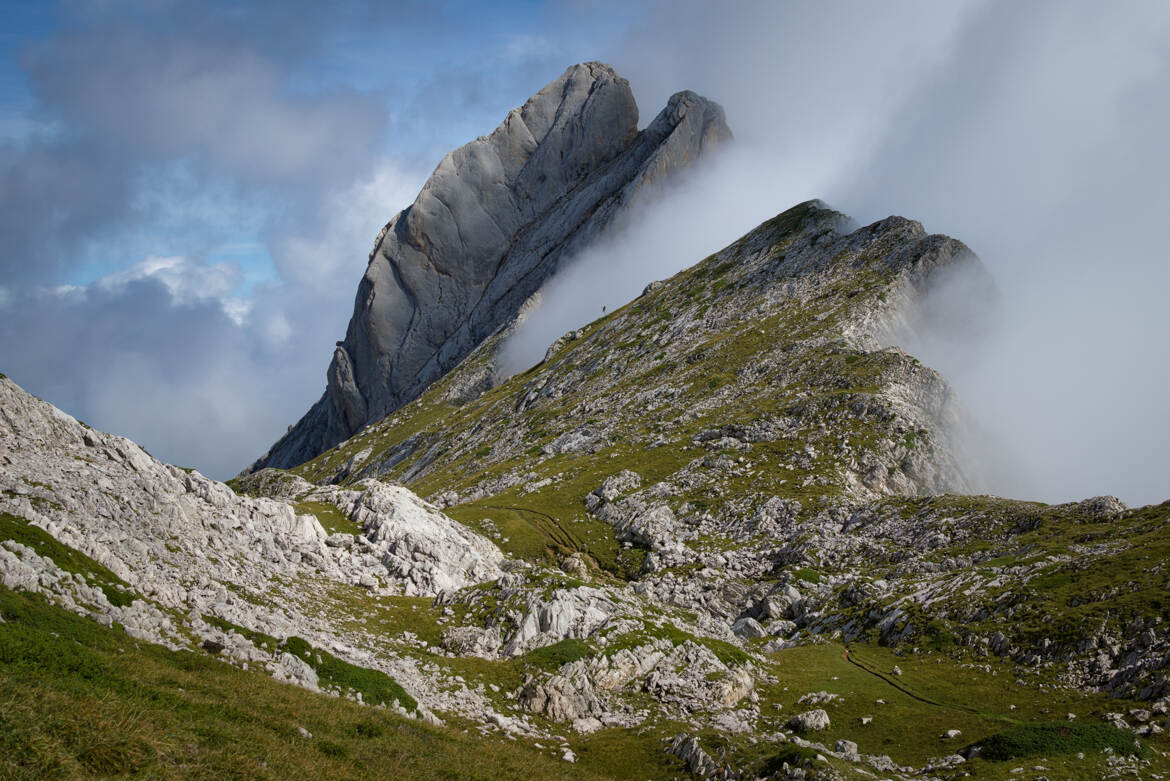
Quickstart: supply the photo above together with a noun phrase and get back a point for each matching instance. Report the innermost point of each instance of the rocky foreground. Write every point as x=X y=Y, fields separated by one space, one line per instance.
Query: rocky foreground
x=725 y=530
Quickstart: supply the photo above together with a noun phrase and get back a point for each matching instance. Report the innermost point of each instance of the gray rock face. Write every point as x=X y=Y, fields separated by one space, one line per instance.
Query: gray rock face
x=190 y=549
x=688 y=749
x=496 y=219
x=810 y=721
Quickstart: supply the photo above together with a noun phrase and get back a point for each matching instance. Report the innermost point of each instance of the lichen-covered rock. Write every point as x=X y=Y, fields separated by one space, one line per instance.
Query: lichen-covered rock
x=566 y=696
x=810 y=721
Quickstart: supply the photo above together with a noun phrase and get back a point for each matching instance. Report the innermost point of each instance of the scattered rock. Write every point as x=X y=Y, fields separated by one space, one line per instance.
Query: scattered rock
x=748 y=628
x=810 y=721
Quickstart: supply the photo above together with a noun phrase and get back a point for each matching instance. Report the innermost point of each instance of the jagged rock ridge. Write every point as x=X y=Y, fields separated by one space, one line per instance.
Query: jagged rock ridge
x=496 y=219
x=725 y=341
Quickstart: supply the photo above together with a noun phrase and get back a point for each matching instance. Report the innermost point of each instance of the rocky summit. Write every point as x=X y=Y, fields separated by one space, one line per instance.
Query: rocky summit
x=729 y=530
x=496 y=219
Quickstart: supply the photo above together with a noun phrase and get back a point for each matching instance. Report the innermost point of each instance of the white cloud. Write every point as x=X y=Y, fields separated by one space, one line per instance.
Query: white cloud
x=188 y=282
x=168 y=353
x=1033 y=132
x=333 y=259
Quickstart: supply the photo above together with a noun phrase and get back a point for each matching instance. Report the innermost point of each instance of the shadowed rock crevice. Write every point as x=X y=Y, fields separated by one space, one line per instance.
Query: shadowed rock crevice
x=497 y=218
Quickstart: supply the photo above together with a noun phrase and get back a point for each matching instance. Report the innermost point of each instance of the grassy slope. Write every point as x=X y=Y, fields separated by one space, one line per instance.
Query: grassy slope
x=80 y=700
x=979 y=704
x=1045 y=572
x=705 y=332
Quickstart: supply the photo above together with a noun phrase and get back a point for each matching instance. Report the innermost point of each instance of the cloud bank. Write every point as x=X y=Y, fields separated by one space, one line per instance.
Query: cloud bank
x=1033 y=132
x=188 y=206
x=191 y=200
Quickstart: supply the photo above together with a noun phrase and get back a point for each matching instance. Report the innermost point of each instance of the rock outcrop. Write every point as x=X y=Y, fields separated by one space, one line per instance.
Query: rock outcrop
x=162 y=529
x=174 y=552
x=496 y=219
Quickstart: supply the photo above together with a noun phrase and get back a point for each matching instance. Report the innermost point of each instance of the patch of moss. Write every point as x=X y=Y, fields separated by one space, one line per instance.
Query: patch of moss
x=19 y=530
x=331 y=519
x=1060 y=737
x=374 y=686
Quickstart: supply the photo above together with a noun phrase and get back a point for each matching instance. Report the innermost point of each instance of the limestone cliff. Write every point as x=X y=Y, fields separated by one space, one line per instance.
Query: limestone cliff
x=495 y=220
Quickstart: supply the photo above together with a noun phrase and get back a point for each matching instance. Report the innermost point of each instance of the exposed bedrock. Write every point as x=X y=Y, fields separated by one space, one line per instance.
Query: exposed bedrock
x=495 y=220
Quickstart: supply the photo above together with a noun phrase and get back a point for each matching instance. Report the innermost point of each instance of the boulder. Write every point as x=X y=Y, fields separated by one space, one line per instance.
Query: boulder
x=810 y=721
x=699 y=762
x=566 y=696
x=748 y=628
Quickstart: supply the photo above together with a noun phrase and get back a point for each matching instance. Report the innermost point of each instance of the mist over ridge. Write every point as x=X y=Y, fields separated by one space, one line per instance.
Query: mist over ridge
x=1026 y=132
x=1033 y=133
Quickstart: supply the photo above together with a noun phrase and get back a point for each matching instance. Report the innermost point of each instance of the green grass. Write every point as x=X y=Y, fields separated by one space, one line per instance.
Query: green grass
x=80 y=701
x=376 y=687
x=333 y=520
x=1075 y=573
x=68 y=559
x=792 y=755
x=258 y=639
x=807 y=575
x=356 y=609
x=727 y=653
x=552 y=657
x=980 y=704
x=1046 y=739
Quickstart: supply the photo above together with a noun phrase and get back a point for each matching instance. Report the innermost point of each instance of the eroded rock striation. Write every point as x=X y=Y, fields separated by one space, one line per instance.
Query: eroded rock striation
x=496 y=219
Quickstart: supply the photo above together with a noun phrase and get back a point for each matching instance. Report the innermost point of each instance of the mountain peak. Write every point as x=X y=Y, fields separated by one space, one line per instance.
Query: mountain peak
x=497 y=218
